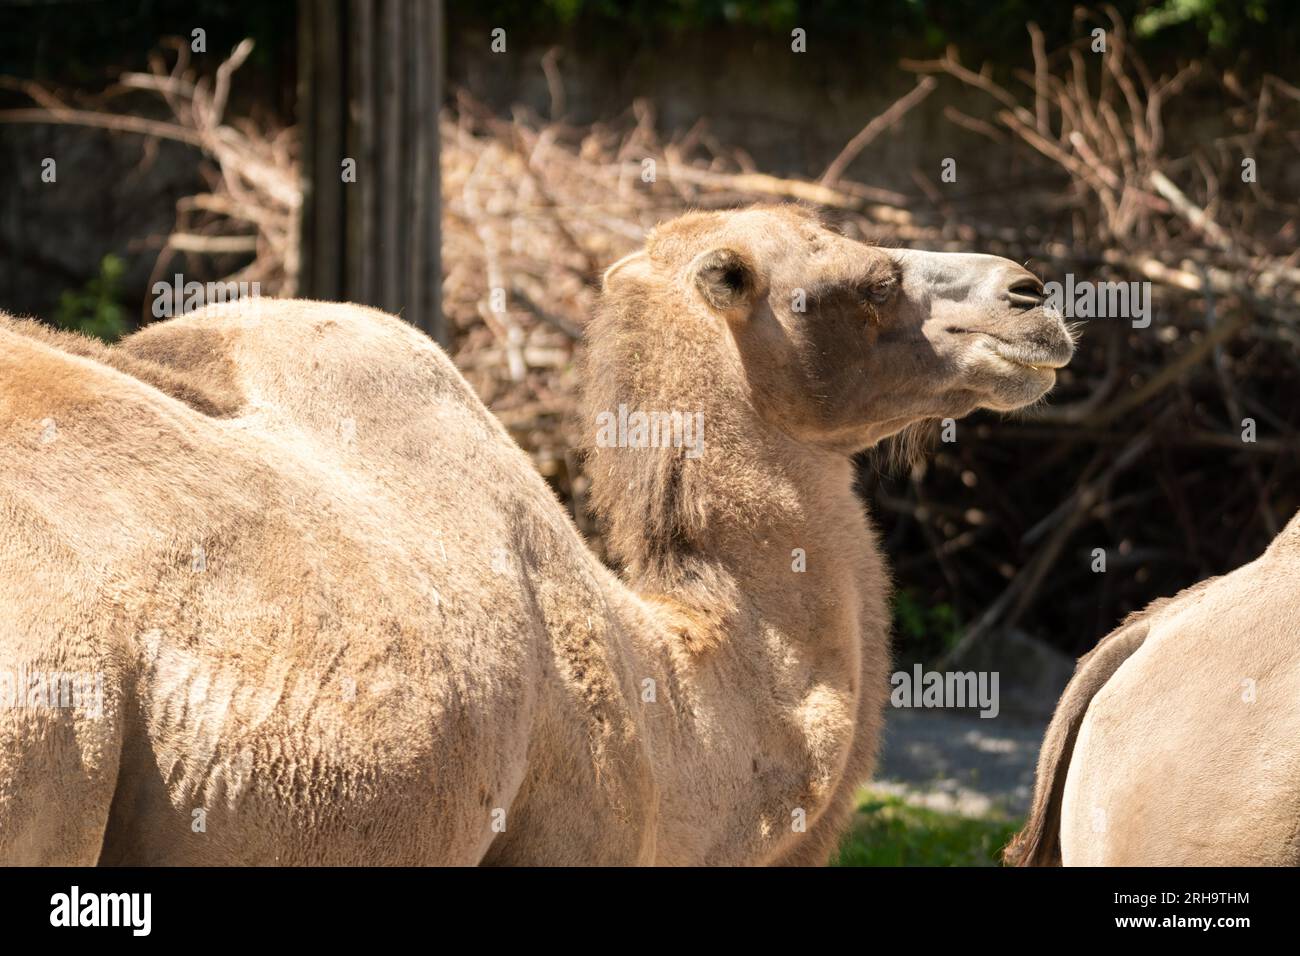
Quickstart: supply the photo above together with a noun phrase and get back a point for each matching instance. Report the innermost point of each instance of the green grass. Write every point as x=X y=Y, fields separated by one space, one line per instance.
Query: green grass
x=890 y=832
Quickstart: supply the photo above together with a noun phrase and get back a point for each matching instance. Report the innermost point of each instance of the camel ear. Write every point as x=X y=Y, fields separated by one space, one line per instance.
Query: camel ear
x=726 y=280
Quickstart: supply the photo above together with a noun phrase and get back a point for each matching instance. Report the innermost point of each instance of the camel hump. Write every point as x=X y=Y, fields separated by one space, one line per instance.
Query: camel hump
x=1039 y=842
x=318 y=363
x=209 y=394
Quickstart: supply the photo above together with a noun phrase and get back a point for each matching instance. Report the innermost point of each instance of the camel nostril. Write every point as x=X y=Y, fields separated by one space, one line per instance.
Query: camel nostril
x=1026 y=293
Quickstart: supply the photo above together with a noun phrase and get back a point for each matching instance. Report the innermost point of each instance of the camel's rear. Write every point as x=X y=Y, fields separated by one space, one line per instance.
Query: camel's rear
x=1039 y=843
x=1178 y=742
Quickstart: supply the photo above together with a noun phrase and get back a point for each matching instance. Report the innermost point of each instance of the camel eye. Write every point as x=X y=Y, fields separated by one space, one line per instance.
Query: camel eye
x=878 y=291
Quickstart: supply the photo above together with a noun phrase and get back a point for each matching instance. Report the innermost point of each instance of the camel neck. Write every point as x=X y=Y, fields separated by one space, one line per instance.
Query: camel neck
x=771 y=626
x=781 y=545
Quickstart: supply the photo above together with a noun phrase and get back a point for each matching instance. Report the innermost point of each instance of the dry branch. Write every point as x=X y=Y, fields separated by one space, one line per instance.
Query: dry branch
x=255 y=181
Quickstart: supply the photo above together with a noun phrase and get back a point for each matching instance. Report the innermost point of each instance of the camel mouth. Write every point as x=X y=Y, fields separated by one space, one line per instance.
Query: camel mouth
x=1031 y=359
x=1045 y=349
x=1025 y=369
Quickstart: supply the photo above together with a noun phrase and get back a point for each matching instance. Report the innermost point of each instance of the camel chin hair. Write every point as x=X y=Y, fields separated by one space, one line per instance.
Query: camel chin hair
x=903 y=451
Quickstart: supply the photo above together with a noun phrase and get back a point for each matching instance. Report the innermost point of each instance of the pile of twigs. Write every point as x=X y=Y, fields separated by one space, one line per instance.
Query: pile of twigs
x=540 y=208
x=1141 y=452
x=250 y=211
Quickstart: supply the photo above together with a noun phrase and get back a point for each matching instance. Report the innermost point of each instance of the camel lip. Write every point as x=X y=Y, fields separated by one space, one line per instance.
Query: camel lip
x=1026 y=354
x=1037 y=355
x=1041 y=362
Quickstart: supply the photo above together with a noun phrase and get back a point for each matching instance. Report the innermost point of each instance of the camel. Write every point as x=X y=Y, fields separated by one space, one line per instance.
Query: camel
x=338 y=618
x=1175 y=743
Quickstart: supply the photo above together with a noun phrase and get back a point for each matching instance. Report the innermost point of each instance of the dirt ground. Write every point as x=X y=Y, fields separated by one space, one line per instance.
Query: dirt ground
x=959 y=762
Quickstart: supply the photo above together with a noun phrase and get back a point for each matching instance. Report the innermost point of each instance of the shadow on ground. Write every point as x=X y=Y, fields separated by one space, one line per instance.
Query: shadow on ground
x=950 y=790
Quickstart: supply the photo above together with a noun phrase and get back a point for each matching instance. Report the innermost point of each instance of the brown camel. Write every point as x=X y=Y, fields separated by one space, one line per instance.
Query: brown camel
x=1177 y=743
x=337 y=618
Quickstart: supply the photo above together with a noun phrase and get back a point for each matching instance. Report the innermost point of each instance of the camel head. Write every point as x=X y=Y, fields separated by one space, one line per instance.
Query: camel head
x=836 y=342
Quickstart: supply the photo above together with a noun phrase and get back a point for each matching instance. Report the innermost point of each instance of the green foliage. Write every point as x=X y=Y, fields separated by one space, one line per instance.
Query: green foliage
x=888 y=831
x=96 y=309
x=923 y=630
x=1221 y=23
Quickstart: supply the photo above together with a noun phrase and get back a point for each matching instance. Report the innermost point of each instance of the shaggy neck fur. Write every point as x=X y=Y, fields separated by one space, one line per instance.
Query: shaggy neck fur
x=695 y=531
x=756 y=554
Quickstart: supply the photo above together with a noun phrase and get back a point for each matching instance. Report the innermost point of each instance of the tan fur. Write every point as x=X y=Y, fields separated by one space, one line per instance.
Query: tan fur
x=1156 y=756
x=341 y=620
